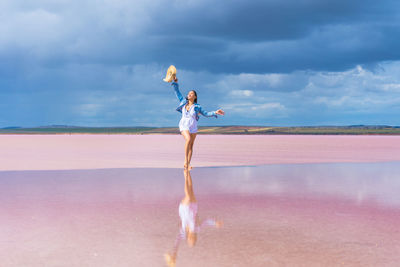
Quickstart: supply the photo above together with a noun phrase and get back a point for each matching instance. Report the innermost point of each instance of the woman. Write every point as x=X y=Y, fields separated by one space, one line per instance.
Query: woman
x=190 y=115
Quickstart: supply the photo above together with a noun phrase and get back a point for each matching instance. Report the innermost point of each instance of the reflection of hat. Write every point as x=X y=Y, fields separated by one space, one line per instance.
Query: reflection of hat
x=171 y=73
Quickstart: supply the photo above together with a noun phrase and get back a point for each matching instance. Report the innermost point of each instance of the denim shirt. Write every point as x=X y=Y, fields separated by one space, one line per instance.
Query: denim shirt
x=183 y=101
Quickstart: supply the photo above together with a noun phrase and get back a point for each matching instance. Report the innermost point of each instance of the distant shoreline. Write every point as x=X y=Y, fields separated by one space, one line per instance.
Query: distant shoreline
x=236 y=130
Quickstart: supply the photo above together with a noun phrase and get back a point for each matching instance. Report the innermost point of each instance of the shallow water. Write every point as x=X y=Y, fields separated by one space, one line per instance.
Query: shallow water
x=275 y=215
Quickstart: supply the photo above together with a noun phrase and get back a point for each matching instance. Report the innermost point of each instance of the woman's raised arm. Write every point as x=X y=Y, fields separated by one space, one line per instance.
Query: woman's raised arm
x=176 y=88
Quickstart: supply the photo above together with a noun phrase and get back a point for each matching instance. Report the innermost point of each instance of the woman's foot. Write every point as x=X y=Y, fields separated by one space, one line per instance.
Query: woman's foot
x=190 y=167
x=170 y=259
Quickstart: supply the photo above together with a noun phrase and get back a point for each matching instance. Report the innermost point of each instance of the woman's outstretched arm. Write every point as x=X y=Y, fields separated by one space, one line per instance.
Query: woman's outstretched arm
x=177 y=92
x=207 y=113
x=210 y=113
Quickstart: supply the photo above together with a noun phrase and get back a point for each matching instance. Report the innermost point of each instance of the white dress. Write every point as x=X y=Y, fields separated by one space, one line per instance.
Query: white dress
x=188 y=213
x=188 y=121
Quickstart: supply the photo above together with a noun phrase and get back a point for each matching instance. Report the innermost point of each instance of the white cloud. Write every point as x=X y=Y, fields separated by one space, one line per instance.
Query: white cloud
x=391 y=87
x=269 y=106
x=263 y=82
x=355 y=89
x=256 y=110
x=241 y=93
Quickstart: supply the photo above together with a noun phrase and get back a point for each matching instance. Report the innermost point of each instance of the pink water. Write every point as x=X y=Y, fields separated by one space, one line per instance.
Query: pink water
x=336 y=214
x=66 y=152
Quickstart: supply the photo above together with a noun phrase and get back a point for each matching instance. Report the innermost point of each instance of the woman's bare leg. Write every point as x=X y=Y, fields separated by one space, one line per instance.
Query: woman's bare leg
x=192 y=138
x=189 y=193
x=187 y=137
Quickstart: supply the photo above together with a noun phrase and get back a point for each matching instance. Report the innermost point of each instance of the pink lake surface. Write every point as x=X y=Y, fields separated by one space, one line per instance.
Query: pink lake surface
x=327 y=214
x=65 y=152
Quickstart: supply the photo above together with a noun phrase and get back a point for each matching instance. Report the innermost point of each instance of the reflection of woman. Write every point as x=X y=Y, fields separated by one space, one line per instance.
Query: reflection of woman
x=190 y=225
x=190 y=115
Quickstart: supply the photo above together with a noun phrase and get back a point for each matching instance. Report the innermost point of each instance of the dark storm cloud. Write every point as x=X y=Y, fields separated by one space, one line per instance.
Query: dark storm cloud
x=279 y=36
x=219 y=36
x=260 y=20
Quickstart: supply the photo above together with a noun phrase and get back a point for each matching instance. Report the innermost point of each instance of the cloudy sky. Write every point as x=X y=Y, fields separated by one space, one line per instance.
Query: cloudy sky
x=269 y=62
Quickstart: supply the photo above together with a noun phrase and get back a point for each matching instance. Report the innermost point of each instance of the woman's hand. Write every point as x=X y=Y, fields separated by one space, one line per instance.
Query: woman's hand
x=220 y=112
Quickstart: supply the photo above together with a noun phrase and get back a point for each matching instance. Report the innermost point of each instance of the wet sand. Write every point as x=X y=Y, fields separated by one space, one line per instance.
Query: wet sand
x=334 y=214
x=67 y=152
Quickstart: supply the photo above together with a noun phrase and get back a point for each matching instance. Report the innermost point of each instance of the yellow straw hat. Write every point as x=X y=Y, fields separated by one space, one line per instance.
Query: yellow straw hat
x=171 y=74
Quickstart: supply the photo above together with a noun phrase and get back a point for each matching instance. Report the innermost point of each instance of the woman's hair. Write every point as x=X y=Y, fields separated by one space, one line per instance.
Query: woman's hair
x=195 y=101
